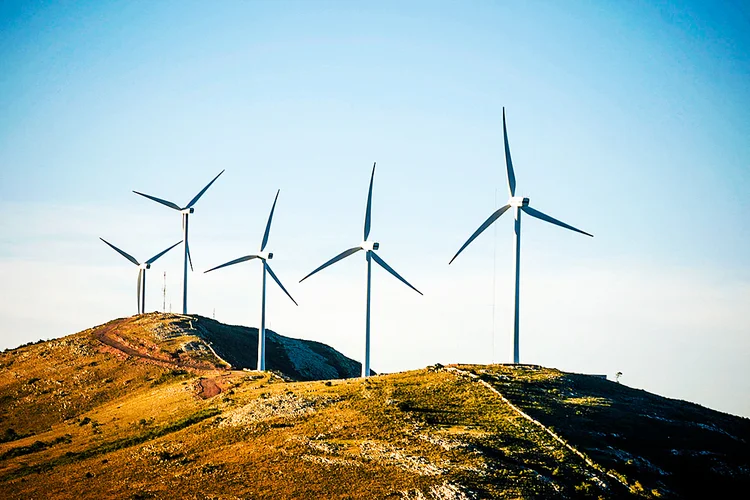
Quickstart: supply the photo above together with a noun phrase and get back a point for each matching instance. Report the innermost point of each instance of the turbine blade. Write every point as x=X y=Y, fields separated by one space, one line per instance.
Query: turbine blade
x=551 y=220
x=368 y=211
x=126 y=255
x=388 y=268
x=268 y=224
x=153 y=259
x=197 y=196
x=159 y=200
x=279 y=282
x=190 y=259
x=342 y=255
x=140 y=274
x=232 y=262
x=508 y=161
x=492 y=218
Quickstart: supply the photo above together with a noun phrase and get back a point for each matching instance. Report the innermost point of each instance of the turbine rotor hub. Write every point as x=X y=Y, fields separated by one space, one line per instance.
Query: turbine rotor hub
x=187 y=210
x=370 y=245
x=518 y=201
x=265 y=255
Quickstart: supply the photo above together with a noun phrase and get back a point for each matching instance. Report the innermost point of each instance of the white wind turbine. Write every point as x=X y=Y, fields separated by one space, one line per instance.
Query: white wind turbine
x=141 y=271
x=519 y=204
x=186 y=211
x=370 y=248
x=264 y=257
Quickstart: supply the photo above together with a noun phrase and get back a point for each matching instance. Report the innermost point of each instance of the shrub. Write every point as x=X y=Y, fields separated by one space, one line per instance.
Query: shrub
x=170 y=376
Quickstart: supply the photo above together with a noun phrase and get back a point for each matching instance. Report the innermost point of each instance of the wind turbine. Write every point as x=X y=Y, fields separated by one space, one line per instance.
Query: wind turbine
x=370 y=248
x=519 y=204
x=141 y=271
x=264 y=257
x=186 y=211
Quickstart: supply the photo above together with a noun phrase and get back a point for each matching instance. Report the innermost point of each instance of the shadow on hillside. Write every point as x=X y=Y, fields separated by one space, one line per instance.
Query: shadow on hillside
x=631 y=430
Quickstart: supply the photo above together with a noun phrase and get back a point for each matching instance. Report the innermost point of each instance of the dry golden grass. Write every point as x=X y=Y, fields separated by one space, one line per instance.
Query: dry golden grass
x=89 y=422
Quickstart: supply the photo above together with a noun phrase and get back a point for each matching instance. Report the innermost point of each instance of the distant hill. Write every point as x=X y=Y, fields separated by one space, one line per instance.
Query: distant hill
x=148 y=407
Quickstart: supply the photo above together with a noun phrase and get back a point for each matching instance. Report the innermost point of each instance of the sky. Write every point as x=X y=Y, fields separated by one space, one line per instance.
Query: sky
x=628 y=120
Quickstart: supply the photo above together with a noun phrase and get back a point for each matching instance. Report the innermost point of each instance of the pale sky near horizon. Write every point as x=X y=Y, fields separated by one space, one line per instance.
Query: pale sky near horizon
x=628 y=120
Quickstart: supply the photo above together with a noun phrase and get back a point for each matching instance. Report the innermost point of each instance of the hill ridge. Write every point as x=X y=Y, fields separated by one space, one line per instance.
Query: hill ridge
x=186 y=341
x=81 y=419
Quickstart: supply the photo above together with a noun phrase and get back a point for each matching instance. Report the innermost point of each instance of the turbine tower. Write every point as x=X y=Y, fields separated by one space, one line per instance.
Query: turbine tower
x=141 y=271
x=264 y=257
x=370 y=248
x=519 y=204
x=185 y=211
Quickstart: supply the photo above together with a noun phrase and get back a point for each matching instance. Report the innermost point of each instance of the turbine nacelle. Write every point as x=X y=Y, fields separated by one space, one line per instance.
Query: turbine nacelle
x=144 y=266
x=265 y=255
x=188 y=210
x=518 y=201
x=369 y=245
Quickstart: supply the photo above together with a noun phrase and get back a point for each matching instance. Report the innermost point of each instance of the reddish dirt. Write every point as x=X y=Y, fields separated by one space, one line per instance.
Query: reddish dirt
x=108 y=336
x=208 y=388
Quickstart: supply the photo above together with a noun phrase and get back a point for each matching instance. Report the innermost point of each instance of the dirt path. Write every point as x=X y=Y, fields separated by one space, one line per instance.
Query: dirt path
x=106 y=337
x=208 y=388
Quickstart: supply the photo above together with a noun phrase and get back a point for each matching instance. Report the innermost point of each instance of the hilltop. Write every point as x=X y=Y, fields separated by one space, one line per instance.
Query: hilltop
x=136 y=409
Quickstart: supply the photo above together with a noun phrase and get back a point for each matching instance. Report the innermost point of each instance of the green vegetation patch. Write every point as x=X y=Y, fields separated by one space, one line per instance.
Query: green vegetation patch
x=171 y=376
x=34 y=447
x=10 y=434
x=587 y=401
x=108 y=447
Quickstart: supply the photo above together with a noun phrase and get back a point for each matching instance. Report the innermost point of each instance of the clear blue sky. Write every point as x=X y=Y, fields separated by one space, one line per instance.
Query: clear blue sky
x=629 y=120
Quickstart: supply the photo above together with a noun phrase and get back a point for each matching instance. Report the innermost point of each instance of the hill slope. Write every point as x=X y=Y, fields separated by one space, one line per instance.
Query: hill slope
x=196 y=341
x=83 y=418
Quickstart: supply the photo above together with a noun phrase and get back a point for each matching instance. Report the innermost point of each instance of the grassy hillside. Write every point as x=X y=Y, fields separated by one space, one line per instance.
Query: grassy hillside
x=125 y=411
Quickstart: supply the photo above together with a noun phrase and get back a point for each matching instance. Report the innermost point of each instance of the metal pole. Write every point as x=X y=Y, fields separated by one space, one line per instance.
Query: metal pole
x=138 y=299
x=185 y=267
x=143 y=293
x=517 y=251
x=262 y=332
x=366 y=364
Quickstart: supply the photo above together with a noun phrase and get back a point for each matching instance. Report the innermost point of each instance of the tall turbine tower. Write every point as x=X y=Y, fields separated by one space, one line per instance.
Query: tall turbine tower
x=141 y=271
x=369 y=248
x=264 y=257
x=185 y=211
x=519 y=204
